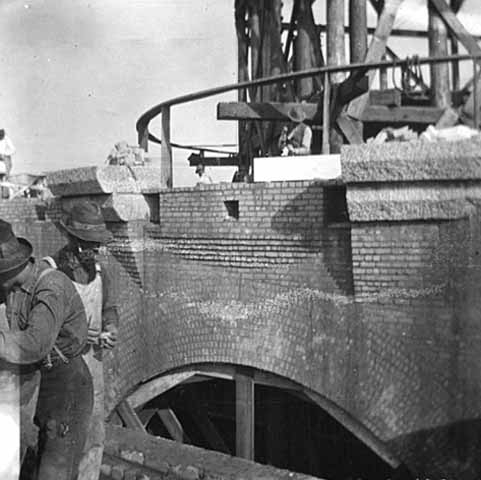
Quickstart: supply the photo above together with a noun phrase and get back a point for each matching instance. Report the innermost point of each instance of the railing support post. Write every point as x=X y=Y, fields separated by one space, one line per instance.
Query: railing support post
x=143 y=139
x=166 y=148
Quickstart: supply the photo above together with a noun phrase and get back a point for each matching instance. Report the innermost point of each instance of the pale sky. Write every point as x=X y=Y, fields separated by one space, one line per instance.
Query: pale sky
x=76 y=74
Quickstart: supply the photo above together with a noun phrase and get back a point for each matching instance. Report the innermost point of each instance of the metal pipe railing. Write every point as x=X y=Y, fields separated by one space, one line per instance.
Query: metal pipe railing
x=359 y=68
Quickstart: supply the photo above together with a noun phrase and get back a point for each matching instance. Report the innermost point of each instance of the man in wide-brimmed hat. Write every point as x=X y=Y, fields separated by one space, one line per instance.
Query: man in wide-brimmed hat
x=298 y=141
x=47 y=331
x=86 y=232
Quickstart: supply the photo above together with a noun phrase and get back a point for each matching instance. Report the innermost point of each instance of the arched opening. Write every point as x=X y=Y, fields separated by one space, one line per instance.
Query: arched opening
x=258 y=416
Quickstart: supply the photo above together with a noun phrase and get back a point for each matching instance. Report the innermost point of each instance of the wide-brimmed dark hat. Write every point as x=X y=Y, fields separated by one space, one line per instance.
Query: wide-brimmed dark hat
x=15 y=252
x=86 y=222
x=296 y=114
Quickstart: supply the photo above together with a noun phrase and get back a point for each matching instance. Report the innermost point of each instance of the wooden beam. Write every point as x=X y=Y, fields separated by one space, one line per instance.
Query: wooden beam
x=469 y=43
x=377 y=49
x=358 y=30
x=389 y=98
x=129 y=417
x=424 y=115
x=352 y=129
x=395 y=32
x=244 y=389
x=230 y=161
x=335 y=37
x=303 y=47
x=438 y=47
x=263 y=111
x=146 y=415
x=372 y=113
x=166 y=149
x=173 y=425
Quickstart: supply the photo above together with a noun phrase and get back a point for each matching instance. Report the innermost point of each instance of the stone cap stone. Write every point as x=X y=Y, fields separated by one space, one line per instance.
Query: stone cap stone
x=104 y=180
x=408 y=181
x=118 y=207
x=412 y=161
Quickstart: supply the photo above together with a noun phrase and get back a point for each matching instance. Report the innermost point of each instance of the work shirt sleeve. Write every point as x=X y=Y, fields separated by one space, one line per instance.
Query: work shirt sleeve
x=110 y=315
x=37 y=340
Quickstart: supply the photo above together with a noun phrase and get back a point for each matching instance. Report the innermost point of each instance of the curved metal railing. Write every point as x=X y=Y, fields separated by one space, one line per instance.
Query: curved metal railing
x=357 y=69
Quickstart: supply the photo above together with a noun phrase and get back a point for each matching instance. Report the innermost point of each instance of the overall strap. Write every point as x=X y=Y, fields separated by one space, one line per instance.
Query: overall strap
x=51 y=262
x=43 y=273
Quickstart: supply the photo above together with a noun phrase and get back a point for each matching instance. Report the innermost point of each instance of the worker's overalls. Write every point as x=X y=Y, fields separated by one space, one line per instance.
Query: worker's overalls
x=63 y=408
x=91 y=295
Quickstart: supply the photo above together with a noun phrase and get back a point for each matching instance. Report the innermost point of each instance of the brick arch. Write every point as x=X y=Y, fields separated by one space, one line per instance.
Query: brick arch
x=160 y=384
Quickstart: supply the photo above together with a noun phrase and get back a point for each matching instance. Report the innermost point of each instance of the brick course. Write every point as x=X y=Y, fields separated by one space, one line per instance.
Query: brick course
x=380 y=318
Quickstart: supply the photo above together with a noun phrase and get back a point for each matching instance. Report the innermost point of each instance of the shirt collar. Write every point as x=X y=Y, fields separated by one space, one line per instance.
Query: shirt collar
x=29 y=284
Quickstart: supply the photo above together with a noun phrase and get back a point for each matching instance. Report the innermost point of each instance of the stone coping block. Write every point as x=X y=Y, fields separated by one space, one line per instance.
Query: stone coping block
x=104 y=180
x=116 y=207
x=412 y=161
x=409 y=201
x=177 y=460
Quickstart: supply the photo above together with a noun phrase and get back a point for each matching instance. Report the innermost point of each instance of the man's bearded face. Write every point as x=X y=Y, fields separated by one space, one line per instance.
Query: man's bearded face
x=86 y=251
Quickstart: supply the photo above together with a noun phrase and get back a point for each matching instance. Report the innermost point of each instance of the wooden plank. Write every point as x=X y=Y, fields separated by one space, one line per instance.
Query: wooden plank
x=263 y=111
x=376 y=51
x=389 y=98
x=372 y=113
x=231 y=161
x=146 y=415
x=352 y=129
x=156 y=387
x=129 y=417
x=244 y=389
x=425 y=115
x=449 y=118
x=173 y=425
x=166 y=149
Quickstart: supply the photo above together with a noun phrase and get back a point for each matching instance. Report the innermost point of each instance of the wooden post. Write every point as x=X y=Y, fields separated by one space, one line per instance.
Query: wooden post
x=358 y=30
x=129 y=417
x=244 y=390
x=166 y=149
x=255 y=43
x=336 y=54
x=242 y=76
x=303 y=48
x=438 y=46
x=326 y=115
x=358 y=37
x=455 y=5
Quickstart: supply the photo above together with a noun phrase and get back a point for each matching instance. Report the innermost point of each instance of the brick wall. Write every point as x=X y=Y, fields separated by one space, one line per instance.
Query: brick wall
x=381 y=318
x=35 y=220
x=207 y=280
x=418 y=368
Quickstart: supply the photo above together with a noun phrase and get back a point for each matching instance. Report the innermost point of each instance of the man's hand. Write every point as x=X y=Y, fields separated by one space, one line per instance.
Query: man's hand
x=108 y=338
x=93 y=336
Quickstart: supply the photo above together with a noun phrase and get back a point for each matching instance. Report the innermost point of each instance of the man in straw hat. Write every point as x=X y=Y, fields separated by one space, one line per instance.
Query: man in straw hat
x=298 y=141
x=47 y=331
x=86 y=232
